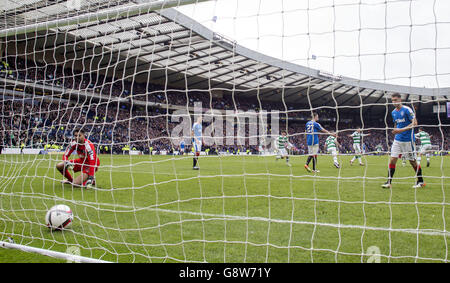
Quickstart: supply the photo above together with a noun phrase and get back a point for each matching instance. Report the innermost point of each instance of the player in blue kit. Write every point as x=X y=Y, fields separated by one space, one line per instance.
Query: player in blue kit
x=312 y=140
x=403 y=145
x=182 y=146
x=197 y=140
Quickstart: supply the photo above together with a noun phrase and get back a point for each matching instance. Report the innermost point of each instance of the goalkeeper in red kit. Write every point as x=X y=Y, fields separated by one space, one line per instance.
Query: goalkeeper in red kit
x=87 y=161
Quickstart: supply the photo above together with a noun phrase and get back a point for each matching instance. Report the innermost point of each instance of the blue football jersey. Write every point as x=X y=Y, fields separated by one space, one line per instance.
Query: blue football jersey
x=312 y=128
x=403 y=118
x=197 y=128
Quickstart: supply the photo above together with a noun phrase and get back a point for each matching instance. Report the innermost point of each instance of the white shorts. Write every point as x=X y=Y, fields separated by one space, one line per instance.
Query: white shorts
x=403 y=149
x=332 y=151
x=197 y=146
x=282 y=152
x=313 y=149
x=425 y=148
x=357 y=148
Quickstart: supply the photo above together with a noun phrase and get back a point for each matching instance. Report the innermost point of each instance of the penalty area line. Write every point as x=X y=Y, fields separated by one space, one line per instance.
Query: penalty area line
x=428 y=232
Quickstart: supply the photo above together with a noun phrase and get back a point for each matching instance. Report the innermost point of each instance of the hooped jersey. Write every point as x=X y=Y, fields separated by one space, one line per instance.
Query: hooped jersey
x=330 y=142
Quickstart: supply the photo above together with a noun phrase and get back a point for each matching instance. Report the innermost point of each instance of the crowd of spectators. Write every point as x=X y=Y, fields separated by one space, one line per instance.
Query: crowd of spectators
x=37 y=122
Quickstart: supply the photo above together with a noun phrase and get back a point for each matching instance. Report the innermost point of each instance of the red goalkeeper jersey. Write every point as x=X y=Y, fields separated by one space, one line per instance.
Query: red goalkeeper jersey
x=86 y=153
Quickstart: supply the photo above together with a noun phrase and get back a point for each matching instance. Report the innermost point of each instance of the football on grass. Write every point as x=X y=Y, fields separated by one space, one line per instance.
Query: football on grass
x=59 y=217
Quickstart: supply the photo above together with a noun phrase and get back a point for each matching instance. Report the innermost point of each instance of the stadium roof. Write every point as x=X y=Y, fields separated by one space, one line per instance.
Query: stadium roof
x=128 y=39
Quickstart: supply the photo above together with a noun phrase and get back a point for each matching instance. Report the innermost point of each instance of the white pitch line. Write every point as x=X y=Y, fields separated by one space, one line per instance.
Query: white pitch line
x=263 y=176
x=429 y=232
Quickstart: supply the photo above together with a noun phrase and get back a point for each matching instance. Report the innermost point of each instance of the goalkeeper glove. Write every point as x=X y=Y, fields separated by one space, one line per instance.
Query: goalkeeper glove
x=68 y=164
x=90 y=181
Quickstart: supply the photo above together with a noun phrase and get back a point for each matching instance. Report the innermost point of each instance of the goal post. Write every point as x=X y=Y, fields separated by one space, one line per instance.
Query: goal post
x=46 y=252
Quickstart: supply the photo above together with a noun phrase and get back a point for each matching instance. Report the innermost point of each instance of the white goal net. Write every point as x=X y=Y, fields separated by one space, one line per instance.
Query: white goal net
x=226 y=130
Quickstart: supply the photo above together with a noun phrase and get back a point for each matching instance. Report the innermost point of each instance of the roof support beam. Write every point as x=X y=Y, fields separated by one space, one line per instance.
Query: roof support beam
x=351 y=97
x=282 y=78
x=112 y=52
x=127 y=57
x=211 y=70
x=240 y=76
x=111 y=20
x=265 y=75
x=311 y=93
x=312 y=80
x=300 y=81
x=339 y=95
x=170 y=57
x=333 y=90
x=115 y=12
x=382 y=94
x=367 y=96
x=226 y=73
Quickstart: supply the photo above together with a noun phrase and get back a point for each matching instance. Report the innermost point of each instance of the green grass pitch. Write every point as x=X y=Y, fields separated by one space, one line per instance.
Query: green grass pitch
x=234 y=209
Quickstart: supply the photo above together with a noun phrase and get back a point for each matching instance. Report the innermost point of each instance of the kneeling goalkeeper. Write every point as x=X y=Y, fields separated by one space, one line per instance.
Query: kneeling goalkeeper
x=87 y=161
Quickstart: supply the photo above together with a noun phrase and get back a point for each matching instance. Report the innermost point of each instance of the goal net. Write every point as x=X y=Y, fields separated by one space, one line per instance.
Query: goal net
x=225 y=131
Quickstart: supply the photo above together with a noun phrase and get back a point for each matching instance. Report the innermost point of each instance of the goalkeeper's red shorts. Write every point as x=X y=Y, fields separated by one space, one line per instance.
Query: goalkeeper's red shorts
x=80 y=165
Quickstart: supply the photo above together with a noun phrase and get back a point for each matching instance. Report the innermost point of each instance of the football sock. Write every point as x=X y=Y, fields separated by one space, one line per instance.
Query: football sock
x=418 y=171
x=391 y=173
x=314 y=162
x=67 y=175
x=308 y=160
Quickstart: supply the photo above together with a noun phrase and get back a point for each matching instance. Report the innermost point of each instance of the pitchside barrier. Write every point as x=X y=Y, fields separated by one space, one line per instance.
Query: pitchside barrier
x=15 y=150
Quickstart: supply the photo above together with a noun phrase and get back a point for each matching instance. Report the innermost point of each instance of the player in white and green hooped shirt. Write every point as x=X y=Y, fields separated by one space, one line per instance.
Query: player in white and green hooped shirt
x=283 y=143
x=425 y=145
x=379 y=149
x=332 y=144
x=357 y=137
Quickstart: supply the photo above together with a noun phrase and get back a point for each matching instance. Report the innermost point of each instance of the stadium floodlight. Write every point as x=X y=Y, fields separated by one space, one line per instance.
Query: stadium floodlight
x=225 y=145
